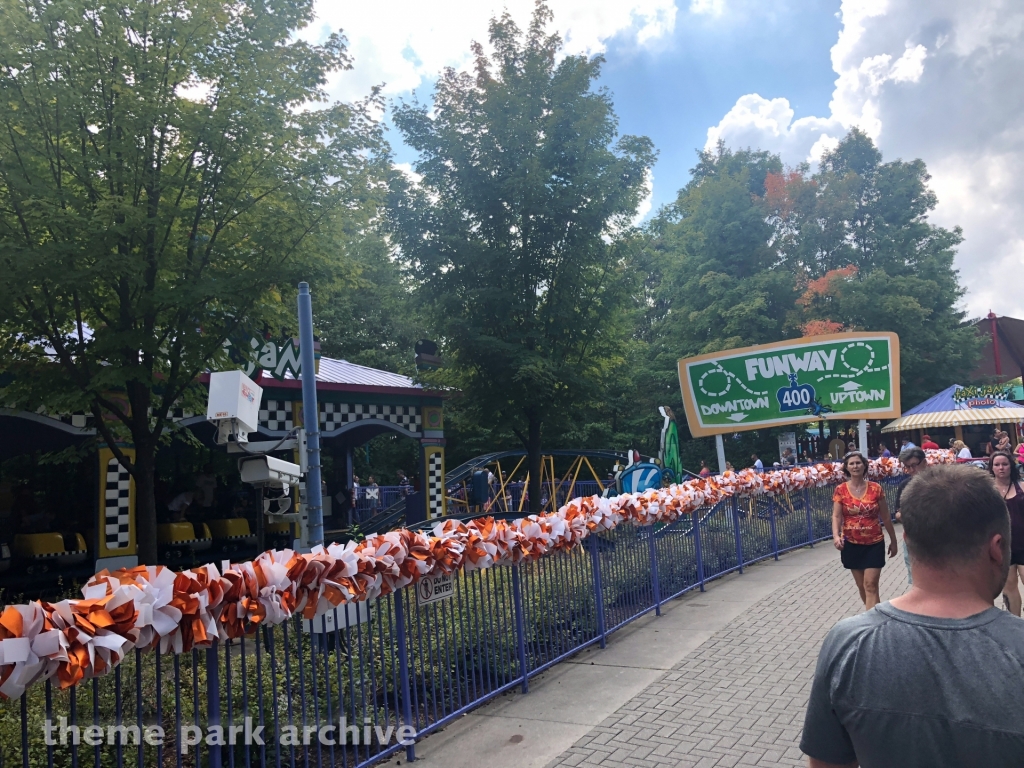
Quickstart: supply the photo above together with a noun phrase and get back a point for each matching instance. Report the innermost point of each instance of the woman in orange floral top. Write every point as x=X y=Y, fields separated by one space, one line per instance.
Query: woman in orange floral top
x=858 y=513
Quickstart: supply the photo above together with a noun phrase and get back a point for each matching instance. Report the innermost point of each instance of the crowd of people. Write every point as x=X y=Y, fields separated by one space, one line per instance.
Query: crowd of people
x=838 y=447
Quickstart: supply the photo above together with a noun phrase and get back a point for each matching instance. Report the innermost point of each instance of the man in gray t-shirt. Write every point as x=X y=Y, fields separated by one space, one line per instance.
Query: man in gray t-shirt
x=936 y=676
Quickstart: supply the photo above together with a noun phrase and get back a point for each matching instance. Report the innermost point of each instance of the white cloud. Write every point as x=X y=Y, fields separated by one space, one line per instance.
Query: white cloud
x=707 y=7
x=935 y=79
x=407 y=169
x=648 y=200
x=406 y=43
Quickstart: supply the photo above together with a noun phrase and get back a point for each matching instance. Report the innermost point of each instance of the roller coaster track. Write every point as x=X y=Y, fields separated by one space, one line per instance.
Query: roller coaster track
x=394 y=516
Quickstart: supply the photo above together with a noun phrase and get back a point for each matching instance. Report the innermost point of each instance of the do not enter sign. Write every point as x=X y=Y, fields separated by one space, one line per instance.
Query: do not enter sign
x=433 y=588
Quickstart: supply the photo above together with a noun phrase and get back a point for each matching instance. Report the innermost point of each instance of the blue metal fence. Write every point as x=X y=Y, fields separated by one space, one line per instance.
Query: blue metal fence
x=334 y=691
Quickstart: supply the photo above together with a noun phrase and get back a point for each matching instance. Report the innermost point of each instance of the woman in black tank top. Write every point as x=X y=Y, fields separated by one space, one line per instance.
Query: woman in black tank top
x=1007 y=476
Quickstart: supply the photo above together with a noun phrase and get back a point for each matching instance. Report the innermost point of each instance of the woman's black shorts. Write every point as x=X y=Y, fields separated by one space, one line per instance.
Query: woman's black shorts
x=858 y=557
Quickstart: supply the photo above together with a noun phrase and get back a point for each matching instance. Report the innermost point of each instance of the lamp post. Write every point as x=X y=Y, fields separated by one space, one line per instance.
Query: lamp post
x=310 y=418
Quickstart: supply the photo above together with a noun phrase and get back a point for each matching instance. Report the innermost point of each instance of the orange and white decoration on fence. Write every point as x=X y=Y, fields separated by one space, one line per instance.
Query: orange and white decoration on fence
x=145 y=607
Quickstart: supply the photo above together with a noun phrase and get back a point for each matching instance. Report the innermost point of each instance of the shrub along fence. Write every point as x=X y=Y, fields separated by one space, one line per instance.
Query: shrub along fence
x=363 y=681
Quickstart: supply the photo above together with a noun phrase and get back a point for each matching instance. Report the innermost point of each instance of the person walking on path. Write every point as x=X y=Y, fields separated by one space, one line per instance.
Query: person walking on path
x=858 y=506
x=758 y=464
x=912 y=461
x=934 y=677
x=1007 y=477
x=928 y=444
x=962 y=452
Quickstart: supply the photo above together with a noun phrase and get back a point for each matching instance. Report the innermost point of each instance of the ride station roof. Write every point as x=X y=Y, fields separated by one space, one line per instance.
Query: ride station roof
x=945 y=410
x=345 y=376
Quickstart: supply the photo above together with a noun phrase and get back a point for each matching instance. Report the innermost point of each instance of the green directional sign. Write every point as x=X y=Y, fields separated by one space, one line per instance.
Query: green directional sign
x=845 y=375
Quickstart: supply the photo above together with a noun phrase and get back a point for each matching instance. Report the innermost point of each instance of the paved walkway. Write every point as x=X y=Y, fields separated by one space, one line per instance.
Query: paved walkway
x=739 y=700
x=720 y=679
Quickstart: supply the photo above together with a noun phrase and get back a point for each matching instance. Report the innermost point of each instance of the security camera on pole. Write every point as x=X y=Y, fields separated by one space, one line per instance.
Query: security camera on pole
x=233 y=406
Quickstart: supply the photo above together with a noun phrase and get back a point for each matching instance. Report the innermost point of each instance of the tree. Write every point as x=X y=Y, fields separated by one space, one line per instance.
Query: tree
x=516 y=232
x=869 y=260
x=723 y=286
x=164 y=180
x=714 y=280
x=368 y=315
x=753 y=253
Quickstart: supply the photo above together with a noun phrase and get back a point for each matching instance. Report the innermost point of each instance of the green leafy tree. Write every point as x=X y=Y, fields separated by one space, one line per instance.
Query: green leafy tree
x=870 y=260
x=369 y=315
x=723 y=286
x=712 y=281
x=516 y=232
x=165 y=176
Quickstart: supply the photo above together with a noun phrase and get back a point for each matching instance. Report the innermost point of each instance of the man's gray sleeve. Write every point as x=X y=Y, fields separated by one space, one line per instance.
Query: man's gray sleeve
x=824 y=736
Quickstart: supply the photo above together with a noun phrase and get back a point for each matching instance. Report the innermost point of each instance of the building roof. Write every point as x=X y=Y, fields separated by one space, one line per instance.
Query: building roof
x=343 y=372
x=942 y=410
x=341 y=375
x=944 y=401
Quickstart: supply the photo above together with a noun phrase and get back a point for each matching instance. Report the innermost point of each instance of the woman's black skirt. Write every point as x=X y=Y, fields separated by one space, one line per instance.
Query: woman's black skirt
x=858 y=557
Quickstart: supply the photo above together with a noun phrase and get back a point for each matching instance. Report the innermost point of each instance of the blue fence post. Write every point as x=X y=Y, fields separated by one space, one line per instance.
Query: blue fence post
x=810 y=520
x=517 y=598
x=595 y=560
x=736 y=531
x=654 y=569
x=403 y=672
x=771 y=525
x=213 y=699
x=695 y=527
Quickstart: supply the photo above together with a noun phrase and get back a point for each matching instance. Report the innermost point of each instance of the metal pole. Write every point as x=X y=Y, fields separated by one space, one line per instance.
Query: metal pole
x=810 y=521
x=771 y=522
x=736 y=529
x=310 y=418
x=862 y=436
x=697 y=549
x=595 y=560
x=348 y=484
x=654 y=569
x=213 y=699
x=403 y=670
x=720 y=447
x=517 y=598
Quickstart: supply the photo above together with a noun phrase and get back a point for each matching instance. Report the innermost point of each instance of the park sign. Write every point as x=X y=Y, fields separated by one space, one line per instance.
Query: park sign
x=844 y=375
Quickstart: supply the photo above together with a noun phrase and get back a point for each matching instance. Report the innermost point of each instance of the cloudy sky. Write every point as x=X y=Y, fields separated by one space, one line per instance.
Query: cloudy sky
x=935 y=79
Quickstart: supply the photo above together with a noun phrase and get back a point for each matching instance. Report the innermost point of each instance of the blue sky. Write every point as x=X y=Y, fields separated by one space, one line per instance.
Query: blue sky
x=674 y=93
x=935 y=79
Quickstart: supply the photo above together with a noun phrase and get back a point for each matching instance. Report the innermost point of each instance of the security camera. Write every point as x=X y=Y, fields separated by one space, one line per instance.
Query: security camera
x=266 y=470
x=233 y=406
x=276 y=501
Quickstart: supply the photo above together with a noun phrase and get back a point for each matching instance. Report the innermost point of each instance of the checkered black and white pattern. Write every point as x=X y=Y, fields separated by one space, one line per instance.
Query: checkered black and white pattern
x=177 y=414
x=435 y=485
x=117 y=506
x=78 y=420
x=336 y=415
x=276 y=416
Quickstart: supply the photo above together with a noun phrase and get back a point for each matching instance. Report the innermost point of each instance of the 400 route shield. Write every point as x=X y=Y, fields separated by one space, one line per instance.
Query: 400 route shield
x=845 y=375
